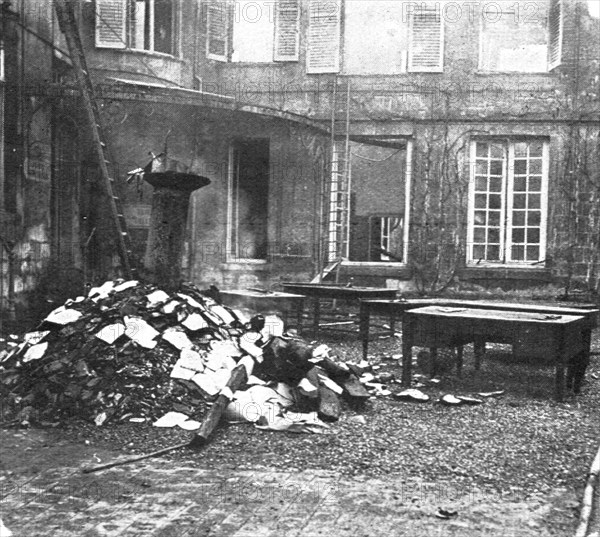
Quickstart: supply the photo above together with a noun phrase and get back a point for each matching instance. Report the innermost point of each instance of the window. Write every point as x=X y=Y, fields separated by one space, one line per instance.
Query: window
x=402 y=36
x=254 y=32
x=248 y=200
x=508 y=202
x=137 y=24
x=521 y=36
x=367 y=208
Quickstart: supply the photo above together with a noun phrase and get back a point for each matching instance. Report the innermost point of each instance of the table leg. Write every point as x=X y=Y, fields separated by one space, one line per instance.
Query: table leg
x=316 y=315
x=407 y=344
x=561 y=360
x=299 y=313
x=363 y=326
x=479 y=351
x=459 y=359
x=433 y=361
x=580 y=367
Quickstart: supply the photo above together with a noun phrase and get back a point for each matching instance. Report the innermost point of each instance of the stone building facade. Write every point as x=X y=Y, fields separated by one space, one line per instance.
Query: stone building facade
x=414 y=144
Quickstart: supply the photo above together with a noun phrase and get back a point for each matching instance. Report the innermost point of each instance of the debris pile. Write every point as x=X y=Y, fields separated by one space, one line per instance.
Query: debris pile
x=129 y=351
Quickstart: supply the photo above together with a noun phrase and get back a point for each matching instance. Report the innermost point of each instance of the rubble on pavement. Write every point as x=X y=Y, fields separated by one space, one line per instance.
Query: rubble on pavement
x=130 y=351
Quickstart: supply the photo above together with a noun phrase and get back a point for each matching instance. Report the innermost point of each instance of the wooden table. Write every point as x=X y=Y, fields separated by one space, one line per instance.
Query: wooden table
x=318 y=291
x=395 y=309
x=266 y=302
x=444 y=326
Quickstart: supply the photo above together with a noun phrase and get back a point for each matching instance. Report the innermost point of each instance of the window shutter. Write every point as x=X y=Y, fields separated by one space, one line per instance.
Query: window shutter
x=555 y=31
x=287 y=18
x=217 y=35
x=426 y=39
x=324 y=37
x=111 y=23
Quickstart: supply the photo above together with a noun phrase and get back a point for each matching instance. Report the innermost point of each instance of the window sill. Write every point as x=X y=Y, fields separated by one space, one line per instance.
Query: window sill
x=382 y=269
x=246 y=265
x=391 y=264
x=143 y=52
x=525 y=73
x=509 y=272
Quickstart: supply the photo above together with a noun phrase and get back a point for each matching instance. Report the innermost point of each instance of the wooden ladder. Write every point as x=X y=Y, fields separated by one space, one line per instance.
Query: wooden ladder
x=67 y=21
x=338 y=193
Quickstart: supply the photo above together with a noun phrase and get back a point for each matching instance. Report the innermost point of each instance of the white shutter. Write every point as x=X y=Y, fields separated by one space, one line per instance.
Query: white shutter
x=111 y=23
x=555 y=31
x=426 y=39
x=287 y=18
x=217 y=35
x=324 y=36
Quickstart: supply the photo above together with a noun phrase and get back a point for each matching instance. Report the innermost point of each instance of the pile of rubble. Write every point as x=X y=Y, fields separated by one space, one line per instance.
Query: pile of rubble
x=129 y=351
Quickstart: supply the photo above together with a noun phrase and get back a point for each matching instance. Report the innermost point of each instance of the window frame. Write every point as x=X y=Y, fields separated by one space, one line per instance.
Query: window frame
x=482 y=69
x=128 y=31
x=231 y=249
x=408 y=171
x=278 y=28
x=506 y=209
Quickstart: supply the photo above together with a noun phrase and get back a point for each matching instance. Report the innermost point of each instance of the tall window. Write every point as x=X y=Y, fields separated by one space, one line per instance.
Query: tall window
x=508 y=202
x=253 y=32
x=521 y=36
x=248 y=200
x=367 y=209
x=139 y=24
x=402 y=36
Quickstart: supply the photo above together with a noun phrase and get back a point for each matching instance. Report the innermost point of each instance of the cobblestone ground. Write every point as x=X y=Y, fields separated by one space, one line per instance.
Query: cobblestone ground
x=44 y=493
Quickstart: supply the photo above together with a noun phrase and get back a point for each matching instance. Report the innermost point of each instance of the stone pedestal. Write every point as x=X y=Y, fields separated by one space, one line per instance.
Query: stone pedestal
x=168 y=220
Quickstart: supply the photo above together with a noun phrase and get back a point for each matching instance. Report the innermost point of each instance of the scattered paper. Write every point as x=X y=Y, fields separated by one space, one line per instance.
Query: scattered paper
x=320 y=352
x=307 y=386
x=469 y=400
x=412 y=395
x=328 y=383
x=247 y=344
x=296 y=422
x=223 y=313
x=111 y=333
x=156 y=297
x=99 y=293
x=35 y=352
x=189 y=363
x=4 y=531
x=63 y=316
x=216 y=361
x=191 y=301
x=33 y=338
x=194 y=322
x=212 y=382
x=252 y=380
x=170 y=307
x=274 y=327
x=101 y=418
x=177 y=338
x=140 y=331
x=170 y=419
x=125 y=285
x=243 y=316
x=190 y=425
x=450 y=400
x=491 y=394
